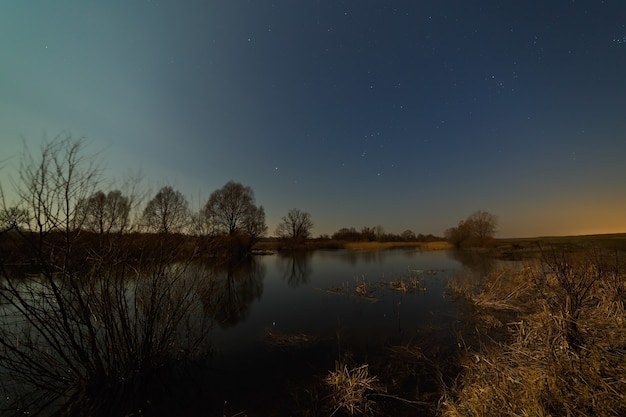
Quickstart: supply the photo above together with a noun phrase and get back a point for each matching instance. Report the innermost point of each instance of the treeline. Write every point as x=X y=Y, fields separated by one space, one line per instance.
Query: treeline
x=61 y=192
x=93 y=308
x=63 y=207
x=378 y=234
x=229 y=212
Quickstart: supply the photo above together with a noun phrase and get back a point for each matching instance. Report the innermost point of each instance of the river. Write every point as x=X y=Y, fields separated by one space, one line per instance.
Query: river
x=295 y=315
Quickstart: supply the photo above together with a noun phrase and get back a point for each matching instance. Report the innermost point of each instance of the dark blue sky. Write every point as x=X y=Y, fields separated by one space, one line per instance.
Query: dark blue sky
x=408 y=114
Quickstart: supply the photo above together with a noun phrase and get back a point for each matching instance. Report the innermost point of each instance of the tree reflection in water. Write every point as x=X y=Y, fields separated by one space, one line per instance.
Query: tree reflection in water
x=234 y=286
x=295 y=267
x=364 y=256
x=479 y=263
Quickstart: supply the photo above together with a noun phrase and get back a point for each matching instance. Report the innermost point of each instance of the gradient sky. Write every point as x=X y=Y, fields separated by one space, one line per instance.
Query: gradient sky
x=408 y=114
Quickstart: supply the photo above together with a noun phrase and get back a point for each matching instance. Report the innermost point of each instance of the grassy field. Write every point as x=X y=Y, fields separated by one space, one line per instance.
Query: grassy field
x=506 y=248
x=522 y=248
x=546 y=339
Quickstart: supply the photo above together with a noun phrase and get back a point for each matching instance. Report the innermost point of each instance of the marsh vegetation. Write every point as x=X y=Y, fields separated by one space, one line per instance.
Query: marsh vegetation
x=550 y=338
x=109 y=306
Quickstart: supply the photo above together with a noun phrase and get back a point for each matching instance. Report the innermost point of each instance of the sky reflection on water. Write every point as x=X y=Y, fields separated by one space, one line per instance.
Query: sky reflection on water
x=314 y=294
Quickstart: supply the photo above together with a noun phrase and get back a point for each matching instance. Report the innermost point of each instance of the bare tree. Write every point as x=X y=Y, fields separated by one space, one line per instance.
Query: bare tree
x=231 y=210
x=477 y=230
x=351 y=234
x=82 y=330
x=380 y=232
x=483 y=225
x=167 y=212
x=408 y=236
x=50 y=188
x=458 y=235
x=107 y=213
x=295 y=225
x=368 y=234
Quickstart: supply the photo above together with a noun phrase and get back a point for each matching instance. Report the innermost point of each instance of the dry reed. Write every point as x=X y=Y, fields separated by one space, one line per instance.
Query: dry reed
x=352 y=389
x=566 y=353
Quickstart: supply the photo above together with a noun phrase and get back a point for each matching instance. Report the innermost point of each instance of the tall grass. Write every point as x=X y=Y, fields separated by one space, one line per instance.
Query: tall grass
x=565 y=353
x=352 y=389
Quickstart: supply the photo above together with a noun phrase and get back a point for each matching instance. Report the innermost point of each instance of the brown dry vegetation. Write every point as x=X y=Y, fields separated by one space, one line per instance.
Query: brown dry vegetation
x=352 y=389
x=524 y=248
x=564 y=346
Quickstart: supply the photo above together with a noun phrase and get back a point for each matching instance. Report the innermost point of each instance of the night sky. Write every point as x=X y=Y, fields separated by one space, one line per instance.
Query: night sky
x=408 y=114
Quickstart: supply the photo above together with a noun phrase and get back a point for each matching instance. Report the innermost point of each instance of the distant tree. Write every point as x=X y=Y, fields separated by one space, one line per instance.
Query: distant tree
x=477 y=230
x=231 y=210
x=430 y=238
x=296 y=225
x=347 y=234
x=106 y=213
x=167 y=212
x=380 y=232
x=482 y=225
x=368 y=234
x=408 y=236
x=459 y=235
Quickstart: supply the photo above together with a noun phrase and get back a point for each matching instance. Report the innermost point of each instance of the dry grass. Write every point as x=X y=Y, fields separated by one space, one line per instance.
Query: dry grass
x=566 y=353
x=400 y=285
x=352 y=389
x=500 y=290
x=404 y=285
x=439 y=245
x=361 y=288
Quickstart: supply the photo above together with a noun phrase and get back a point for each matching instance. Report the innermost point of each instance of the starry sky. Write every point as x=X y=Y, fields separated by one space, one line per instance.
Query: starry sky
x=407 y=114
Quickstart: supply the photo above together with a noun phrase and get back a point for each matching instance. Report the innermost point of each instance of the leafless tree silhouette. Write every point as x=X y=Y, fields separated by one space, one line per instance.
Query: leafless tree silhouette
x=296 y=225
x=231 y=212
x=83 y=328
x=167 y=212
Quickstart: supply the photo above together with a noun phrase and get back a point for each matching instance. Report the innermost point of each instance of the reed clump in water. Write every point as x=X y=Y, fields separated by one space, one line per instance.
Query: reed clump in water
x=361 y=289
x=285 y=341
x=565 y=353
x=352 y=389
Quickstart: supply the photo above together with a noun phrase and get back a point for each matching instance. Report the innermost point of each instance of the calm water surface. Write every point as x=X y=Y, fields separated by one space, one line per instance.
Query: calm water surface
x=314 y=295
x=283 y=320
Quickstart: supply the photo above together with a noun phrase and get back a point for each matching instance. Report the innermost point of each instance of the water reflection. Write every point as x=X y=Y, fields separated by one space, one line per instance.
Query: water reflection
x=312 y=297
x=234 y=287
x=295 y=267
x=293 y=296
x=365 y=256
x=108 y=336
x=479 y=263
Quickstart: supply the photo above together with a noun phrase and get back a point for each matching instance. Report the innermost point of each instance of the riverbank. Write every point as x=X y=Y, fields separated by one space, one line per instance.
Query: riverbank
x=546 y=339
x=523 y=248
